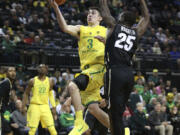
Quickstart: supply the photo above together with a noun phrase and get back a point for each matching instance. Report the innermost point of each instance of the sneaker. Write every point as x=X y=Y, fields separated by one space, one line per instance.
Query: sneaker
x=79 y=129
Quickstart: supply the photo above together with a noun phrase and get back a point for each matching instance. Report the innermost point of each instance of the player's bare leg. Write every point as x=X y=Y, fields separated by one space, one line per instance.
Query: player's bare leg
x=100 y=115
x=80 y=126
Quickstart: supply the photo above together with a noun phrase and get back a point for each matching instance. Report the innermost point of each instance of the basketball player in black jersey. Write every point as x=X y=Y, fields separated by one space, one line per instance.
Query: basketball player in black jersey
x=5 y=91
x=121 y=44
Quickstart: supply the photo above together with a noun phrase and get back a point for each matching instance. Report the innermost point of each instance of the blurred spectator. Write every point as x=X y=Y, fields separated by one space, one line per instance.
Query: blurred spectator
x=57 y=79
x=168 y=87
x=156 y=49
x=66 y=114
x=30 y=39
x=139 y=121
x=139 y=86
x=174 y=118
x=147 y=95
x=20 y=74
x=63 y=81
x=70 y=76
x=34 y=25
x=160 y=35
x=176 y=98
x=1 y=32
x=175 y=58
x=2 y=73
x=134 y=99
x=9 y=49
x=160 y=88
x=7 y=28
x=174 y=91
x=37 y=41
x=39 y=5
x=162 y=99
x=159 y=120
x=170 y=100
x=153 y=36
x=47 y=25
x=139 y=75
x=171 y=41
x=151 y=104
x=17 y=37
x=22 y=18
x=15 y=23
x=154 y=77
x=19 y=120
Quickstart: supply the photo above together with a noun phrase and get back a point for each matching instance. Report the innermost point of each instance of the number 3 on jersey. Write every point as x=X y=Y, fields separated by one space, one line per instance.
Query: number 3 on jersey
x=127 y=39
x=90 y=43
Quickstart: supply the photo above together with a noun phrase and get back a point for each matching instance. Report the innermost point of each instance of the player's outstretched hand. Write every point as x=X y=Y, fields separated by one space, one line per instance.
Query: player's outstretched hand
x=101 y=39
x=53 y=3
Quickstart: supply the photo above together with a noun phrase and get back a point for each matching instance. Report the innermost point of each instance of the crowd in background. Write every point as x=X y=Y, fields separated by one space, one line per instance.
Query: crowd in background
x=153 y=107
x=31 y=26
x=28 y=27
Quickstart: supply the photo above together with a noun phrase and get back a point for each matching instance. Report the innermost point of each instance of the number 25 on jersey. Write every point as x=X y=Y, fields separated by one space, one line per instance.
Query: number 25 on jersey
x=128 y=39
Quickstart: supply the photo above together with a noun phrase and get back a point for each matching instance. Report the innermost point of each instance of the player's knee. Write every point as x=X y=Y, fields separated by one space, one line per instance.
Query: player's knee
x=71 y=86
x=32 y=131
x=52 y=130
x=93 y=108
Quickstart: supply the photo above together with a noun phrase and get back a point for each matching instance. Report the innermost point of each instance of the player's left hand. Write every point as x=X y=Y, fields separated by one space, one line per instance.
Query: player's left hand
x=101 y=39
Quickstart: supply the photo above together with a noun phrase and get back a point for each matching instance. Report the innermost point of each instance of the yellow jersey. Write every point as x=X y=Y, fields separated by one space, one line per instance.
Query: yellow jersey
x=2 y=76
x=91 y=50
x=40 y=91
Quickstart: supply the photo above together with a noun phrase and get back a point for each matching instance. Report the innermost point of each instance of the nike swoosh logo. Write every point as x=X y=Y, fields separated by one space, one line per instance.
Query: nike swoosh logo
x=79 y=130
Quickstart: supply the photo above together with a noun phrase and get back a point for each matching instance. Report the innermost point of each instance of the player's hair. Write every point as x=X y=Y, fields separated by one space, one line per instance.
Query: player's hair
x=129 y=18
x=95 y=8
x=43 y=65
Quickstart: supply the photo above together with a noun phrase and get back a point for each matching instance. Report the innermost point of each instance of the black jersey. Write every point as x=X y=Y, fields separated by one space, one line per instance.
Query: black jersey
x=5 y=87
x=121 y=46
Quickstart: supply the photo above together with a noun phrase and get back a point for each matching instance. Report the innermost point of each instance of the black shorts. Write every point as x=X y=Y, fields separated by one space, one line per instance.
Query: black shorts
x=6 y=127
x=119 y=81
x=94 y=124
x=81 y=81
x=119 y=84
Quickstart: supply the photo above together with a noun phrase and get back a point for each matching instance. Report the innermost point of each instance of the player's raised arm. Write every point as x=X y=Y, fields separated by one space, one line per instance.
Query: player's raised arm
x=143 y=23
x=70 y=29
x=107 y=17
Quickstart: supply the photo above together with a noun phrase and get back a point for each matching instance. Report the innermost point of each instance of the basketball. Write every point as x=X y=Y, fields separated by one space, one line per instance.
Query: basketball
x=60 y=2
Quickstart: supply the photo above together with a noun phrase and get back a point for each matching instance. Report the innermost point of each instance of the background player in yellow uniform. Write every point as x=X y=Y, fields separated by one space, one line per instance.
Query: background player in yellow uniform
x=39 y=109
x=91 y=53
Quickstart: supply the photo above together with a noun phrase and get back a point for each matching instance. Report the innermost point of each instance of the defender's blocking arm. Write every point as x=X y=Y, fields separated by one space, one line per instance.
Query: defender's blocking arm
x=143 y=23
x=105 y=12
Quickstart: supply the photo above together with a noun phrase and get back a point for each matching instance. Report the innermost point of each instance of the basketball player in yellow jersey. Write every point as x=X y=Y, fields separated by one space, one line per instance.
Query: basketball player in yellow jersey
x=39 y=109
x=85 y=88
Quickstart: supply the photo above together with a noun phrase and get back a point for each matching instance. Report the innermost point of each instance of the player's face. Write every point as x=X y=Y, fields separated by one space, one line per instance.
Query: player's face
x=11 y=73
x=42 y=69
x=93 y=17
